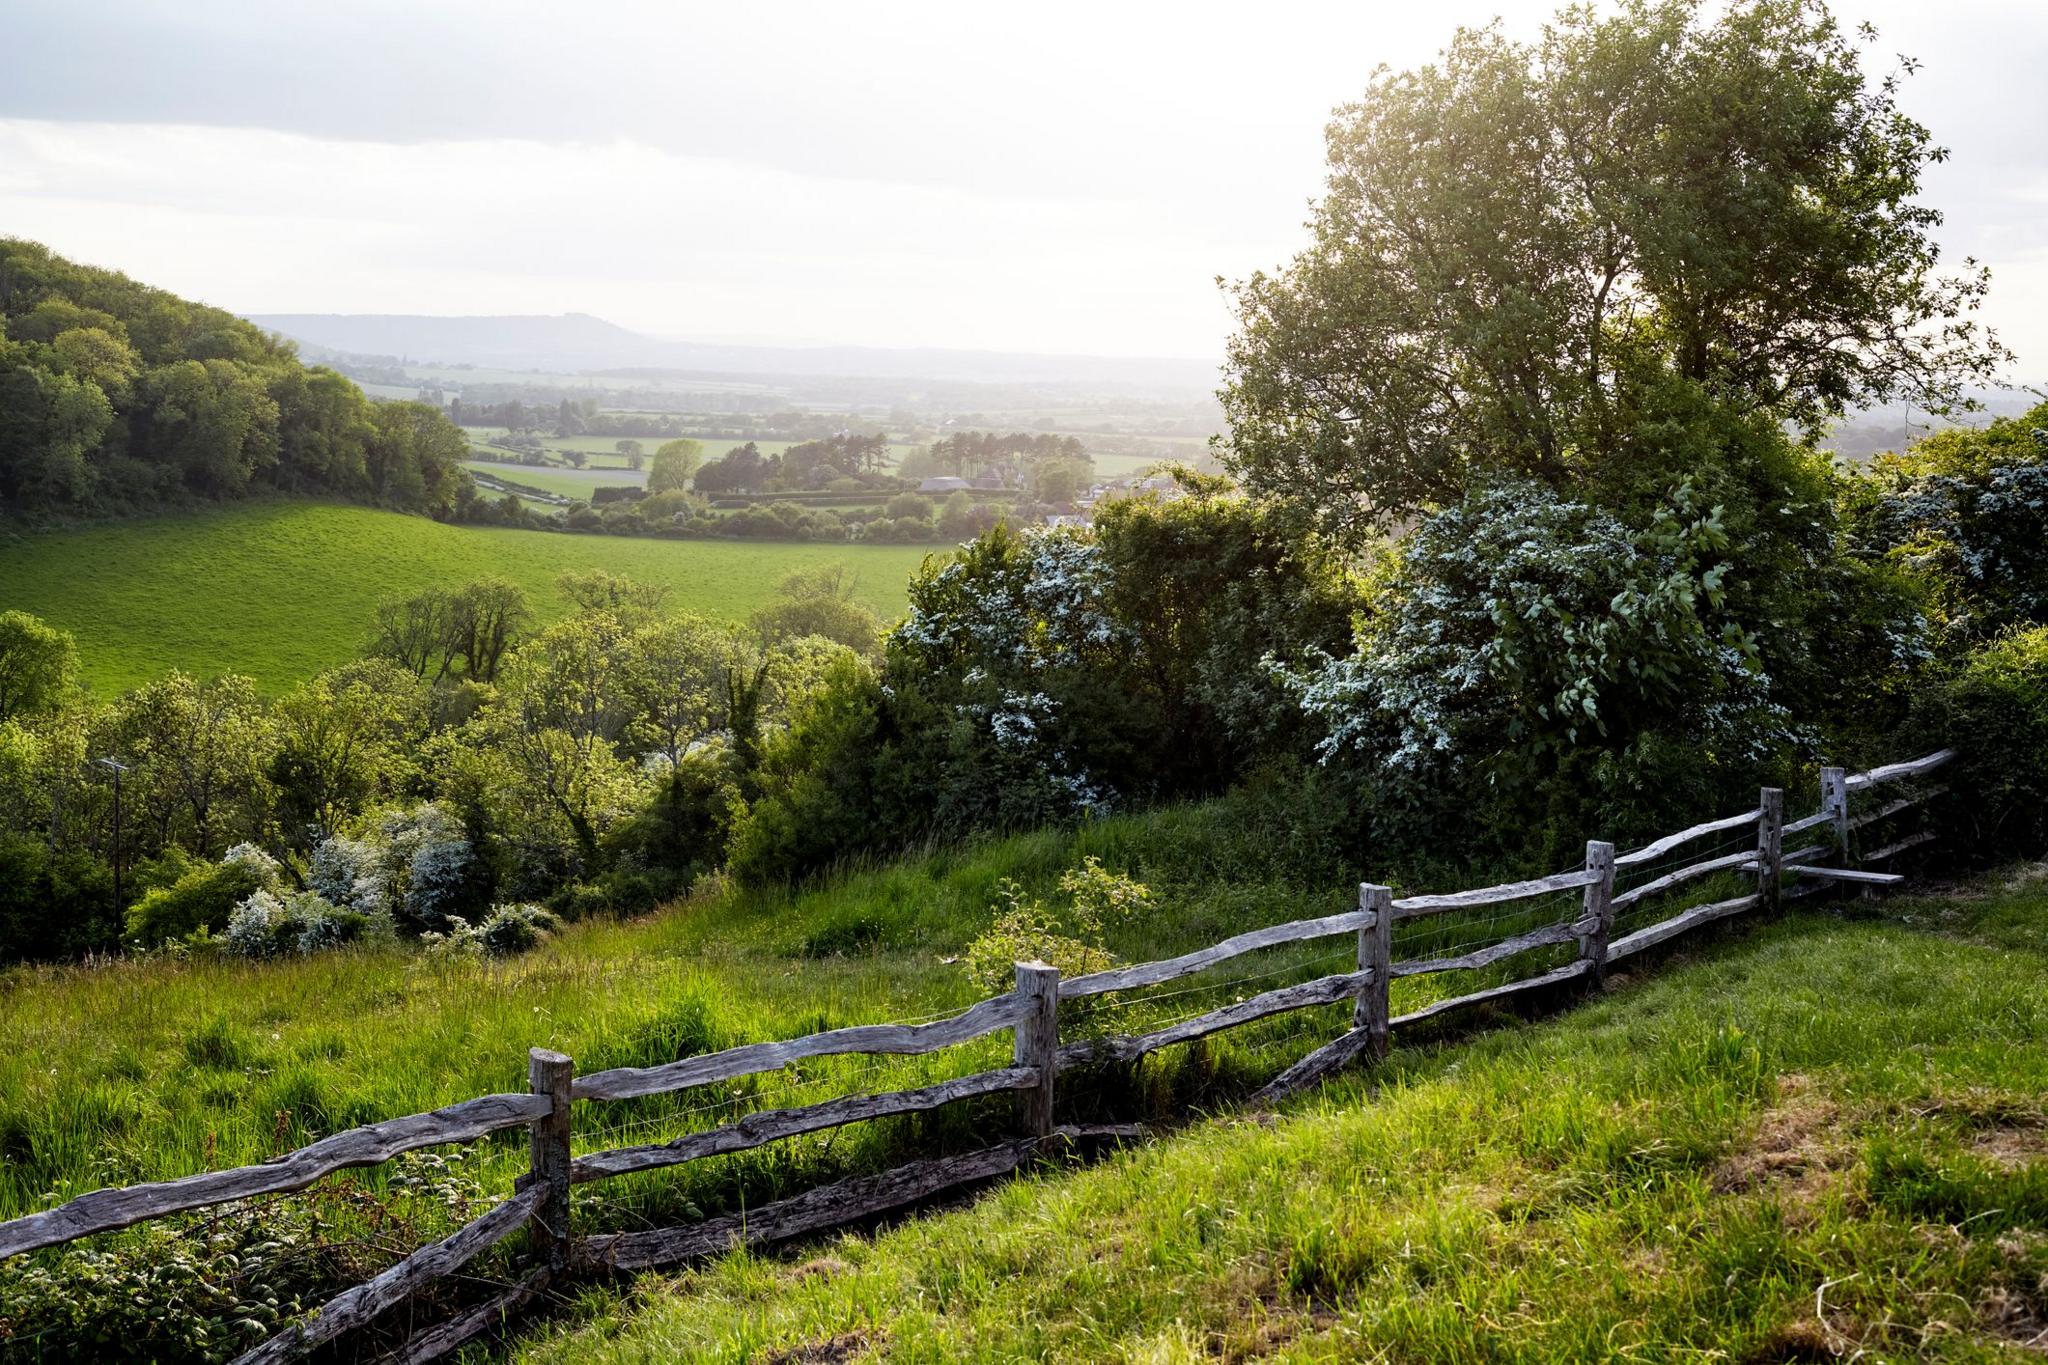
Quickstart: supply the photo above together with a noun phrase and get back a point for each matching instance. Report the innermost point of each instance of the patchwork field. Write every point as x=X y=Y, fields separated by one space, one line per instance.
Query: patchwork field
x=280 y=591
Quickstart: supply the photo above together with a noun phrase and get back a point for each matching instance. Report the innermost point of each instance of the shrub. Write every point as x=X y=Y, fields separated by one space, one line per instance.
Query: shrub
x=1023 y=929
x=514 y=929
x=54 y=904
x=1994 y=710
x=507 y=930
x=201 y=899
x=266 y=925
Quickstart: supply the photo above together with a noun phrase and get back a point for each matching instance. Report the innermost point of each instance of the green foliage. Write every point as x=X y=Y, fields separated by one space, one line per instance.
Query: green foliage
x=38 y=664
x=233 y=590
x=115 y=397
x=54 y=904
x=1993 y=709
x=1519 y=236
x=202 y=899
x=1962 y=515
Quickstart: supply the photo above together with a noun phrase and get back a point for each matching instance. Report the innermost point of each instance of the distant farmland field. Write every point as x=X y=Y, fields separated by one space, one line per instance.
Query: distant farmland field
x=280 y=591
x=603 y=450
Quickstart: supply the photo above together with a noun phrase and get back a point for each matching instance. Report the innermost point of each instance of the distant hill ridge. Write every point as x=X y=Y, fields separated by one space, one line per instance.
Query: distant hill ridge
x=579 y=342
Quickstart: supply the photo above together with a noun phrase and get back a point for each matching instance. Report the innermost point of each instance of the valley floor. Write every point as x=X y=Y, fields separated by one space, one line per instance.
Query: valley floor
x=1824 y=1139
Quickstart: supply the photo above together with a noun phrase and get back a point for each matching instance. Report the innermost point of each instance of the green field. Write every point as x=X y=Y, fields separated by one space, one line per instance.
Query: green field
x=570 y=483
x=1850 y=1105
x=1825 y=1141
x=280 y=591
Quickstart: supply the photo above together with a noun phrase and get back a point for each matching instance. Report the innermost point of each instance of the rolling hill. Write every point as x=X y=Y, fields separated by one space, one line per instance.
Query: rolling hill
x=280 y=591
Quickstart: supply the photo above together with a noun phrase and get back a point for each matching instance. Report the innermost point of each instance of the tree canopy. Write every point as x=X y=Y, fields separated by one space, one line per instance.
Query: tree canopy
x=115 y=396
x=1522 y=244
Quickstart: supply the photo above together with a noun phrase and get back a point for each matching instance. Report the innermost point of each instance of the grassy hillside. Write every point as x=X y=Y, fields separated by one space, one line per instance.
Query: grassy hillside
x=282 y=590
x=1803 y=1103
x=1828 y=1140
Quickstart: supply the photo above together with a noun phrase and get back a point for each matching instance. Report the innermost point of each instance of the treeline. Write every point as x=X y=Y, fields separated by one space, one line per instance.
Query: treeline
x=116 y=397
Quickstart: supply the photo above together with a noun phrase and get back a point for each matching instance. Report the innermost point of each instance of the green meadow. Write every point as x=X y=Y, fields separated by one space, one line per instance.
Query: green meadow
x=282 y=590
x=1849 y=1102
x=1824 y=1139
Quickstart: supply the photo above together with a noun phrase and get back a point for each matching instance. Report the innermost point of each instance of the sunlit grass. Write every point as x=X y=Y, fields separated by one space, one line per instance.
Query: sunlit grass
x=282 y=590
x=1824 y=1139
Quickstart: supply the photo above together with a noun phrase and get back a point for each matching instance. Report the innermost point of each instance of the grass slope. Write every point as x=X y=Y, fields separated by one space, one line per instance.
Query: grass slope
x=1827 y=1140
x=282 y=590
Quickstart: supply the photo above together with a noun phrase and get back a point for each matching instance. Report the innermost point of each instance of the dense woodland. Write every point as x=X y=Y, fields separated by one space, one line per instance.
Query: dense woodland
x=115 y=396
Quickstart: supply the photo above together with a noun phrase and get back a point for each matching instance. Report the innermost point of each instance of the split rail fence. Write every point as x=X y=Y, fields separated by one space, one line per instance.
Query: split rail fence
x=1031 y=1014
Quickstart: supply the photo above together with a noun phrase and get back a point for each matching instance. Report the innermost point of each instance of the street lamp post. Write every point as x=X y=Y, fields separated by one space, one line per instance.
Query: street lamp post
x=117 y=767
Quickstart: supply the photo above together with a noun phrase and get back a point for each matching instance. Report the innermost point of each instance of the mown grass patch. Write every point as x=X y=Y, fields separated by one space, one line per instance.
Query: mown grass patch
x=282 y=590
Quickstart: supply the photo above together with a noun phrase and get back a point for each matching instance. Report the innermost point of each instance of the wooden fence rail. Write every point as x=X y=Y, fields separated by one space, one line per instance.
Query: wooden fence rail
x=1031 y=1013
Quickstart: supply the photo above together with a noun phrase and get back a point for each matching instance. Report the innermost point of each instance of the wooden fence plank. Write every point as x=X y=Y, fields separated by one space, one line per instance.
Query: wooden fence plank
x=1562 y=932
x=1807 y=822
x=772 y=1125
x=1728 y=862
x=550 y=1074
x=1565 y=973
x=1770 y=849
x=989 y=1016
x=811 y=1211
x=355 y=1307
x=1885 y=812
x=1408 y=907
x=1834 y=799
x=1037 y=1044
x=1894 y=850
x=438 y=1341
x=1851 y=874
x=1126 y=1048
x=106 y=1210
x=1678 y=924
x=1892 y=772
x=1187 y=964
x=1375 y=963
x=1653 y=851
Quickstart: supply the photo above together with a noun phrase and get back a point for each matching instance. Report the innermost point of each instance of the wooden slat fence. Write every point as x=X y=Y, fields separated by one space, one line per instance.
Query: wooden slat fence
x=1031 y=1014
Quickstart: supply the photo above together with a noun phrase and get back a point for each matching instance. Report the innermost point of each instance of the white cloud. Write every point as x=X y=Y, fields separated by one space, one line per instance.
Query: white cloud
x=1070 y=176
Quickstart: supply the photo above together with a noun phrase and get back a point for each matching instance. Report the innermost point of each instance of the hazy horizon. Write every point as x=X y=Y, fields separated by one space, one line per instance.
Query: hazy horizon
x=929 y=177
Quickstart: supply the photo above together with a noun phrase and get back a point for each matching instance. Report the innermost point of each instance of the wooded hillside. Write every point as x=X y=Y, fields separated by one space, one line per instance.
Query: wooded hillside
x=115 y=396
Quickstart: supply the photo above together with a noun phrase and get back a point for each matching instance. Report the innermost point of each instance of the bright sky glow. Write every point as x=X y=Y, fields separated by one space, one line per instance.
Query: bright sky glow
x=1053 y=177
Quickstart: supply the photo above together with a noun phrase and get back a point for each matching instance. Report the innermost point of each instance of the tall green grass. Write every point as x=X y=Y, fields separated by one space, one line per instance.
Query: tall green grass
x=1827 y=1139
x=282 y=590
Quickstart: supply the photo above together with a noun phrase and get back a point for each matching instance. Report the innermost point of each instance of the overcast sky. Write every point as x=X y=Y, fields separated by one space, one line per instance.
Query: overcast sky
x=1048 y=177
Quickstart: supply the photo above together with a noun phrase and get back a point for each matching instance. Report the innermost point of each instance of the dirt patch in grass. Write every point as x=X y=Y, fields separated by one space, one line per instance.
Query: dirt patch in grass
x=2012 y=1146
x=1797 y=1147
x=841 y=1348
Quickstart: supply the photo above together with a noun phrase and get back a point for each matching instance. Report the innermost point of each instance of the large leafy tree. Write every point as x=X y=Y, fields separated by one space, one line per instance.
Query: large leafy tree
x=1524 y=244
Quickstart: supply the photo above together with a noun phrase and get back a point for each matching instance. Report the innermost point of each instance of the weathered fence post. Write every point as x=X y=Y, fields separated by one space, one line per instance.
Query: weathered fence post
x=1599 y=909
x=1770 y=848
x=1374 y=1012
x=1038 y=1043
x=1834 y=799
x=550 y=1073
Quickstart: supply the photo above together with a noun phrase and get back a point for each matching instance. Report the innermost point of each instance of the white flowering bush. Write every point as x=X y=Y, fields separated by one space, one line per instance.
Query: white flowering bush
x=1967 y=516
x=1012 y=638
x=506 y=931
x=266 y=869
x=273 y=925
x=415 y=866
x=1520 y=628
